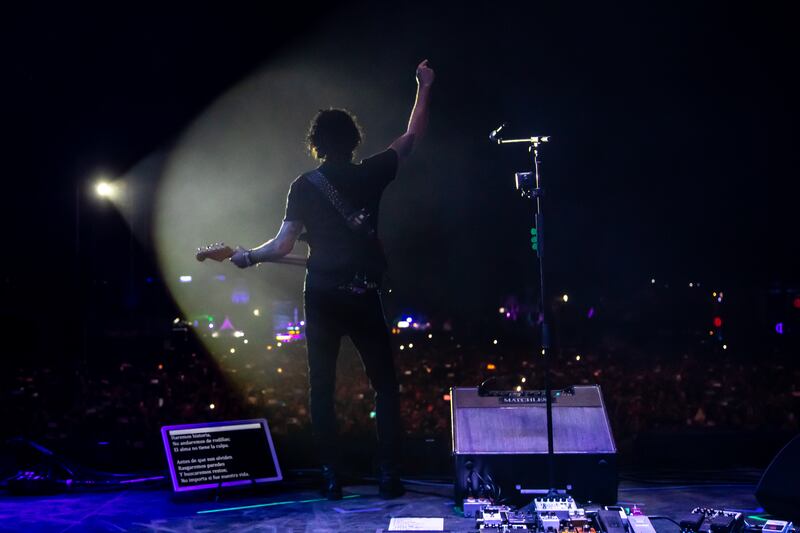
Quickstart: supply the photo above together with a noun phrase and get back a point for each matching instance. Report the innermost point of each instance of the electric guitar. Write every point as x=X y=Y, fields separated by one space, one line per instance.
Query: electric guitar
x=220 y=252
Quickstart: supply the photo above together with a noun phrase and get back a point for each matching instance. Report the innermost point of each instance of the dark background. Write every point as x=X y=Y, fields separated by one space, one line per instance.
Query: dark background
x=673 y=153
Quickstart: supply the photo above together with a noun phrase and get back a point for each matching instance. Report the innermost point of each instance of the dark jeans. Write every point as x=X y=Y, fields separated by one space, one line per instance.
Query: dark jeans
x=329 y=316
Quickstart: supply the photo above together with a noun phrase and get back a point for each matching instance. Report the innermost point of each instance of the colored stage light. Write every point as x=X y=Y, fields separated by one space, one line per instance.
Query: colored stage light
x=272 y=504
x=796 y=303
x=491 y=366
x=717 y=322
x=779 y=328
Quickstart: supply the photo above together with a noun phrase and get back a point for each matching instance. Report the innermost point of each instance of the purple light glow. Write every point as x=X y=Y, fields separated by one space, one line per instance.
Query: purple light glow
x=240 y=297
x=590 y=314
x=779 y=328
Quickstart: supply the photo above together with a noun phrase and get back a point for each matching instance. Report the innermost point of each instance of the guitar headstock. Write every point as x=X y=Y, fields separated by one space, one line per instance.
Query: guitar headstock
x=218 y=252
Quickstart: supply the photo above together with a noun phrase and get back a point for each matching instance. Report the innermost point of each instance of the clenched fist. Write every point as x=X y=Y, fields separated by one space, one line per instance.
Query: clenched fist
x=425 y=74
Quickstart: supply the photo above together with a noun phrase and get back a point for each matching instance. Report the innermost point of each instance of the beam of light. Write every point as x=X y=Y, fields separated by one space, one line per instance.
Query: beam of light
x=226 y=176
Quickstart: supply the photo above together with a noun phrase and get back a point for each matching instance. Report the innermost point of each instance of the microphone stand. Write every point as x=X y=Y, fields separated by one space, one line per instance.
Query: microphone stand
x=529 y=185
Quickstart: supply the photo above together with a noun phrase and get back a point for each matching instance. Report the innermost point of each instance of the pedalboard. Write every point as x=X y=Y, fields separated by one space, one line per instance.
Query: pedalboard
x=562 y=515
x=545 y=515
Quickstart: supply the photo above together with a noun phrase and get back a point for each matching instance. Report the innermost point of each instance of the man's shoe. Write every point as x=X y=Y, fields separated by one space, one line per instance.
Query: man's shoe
x=389 y=484
x=331 y=487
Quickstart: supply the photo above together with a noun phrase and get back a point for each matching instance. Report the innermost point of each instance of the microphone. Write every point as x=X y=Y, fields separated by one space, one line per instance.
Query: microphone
x=493 y=134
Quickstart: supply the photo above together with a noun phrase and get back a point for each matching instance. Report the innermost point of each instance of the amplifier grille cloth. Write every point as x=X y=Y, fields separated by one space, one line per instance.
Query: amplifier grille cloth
x=524 y=430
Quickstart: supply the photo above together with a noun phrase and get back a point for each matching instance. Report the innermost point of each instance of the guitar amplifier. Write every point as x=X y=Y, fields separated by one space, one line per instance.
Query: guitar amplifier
x=501 y=438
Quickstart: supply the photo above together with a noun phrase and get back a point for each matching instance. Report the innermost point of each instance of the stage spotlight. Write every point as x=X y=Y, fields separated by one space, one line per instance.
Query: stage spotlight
x=565 y=297
x=105 y=189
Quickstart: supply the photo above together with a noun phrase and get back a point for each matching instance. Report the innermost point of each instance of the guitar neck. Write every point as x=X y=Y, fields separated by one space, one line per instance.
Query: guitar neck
x=296 y=260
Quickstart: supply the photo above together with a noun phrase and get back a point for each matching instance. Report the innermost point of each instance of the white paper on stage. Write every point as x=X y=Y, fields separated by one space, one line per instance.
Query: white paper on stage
x=416 y=524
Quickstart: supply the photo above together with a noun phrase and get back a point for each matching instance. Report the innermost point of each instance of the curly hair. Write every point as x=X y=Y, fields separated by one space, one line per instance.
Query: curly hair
x=333 y=133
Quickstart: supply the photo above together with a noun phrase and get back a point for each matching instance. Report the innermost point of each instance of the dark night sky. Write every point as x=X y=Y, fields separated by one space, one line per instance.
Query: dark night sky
x=674 y=131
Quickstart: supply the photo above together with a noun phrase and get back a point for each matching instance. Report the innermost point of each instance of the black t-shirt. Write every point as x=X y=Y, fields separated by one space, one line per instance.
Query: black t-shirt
x=337 y=253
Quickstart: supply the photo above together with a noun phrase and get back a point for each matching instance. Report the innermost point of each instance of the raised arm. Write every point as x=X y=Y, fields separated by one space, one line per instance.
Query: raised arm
x=271 y=250
x=418 y=122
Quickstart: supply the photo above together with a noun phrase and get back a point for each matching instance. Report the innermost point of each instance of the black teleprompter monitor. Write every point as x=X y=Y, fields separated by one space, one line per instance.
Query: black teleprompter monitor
x=220 y=454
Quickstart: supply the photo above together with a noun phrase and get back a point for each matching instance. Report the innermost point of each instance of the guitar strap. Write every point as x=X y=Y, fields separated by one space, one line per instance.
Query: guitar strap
x=356 y=219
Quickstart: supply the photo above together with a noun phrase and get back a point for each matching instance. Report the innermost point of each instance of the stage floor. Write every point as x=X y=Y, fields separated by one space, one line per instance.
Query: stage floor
x=296 y=511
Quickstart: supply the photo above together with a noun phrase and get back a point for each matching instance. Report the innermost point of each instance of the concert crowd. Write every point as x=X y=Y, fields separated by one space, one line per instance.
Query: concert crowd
x=123 y=402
